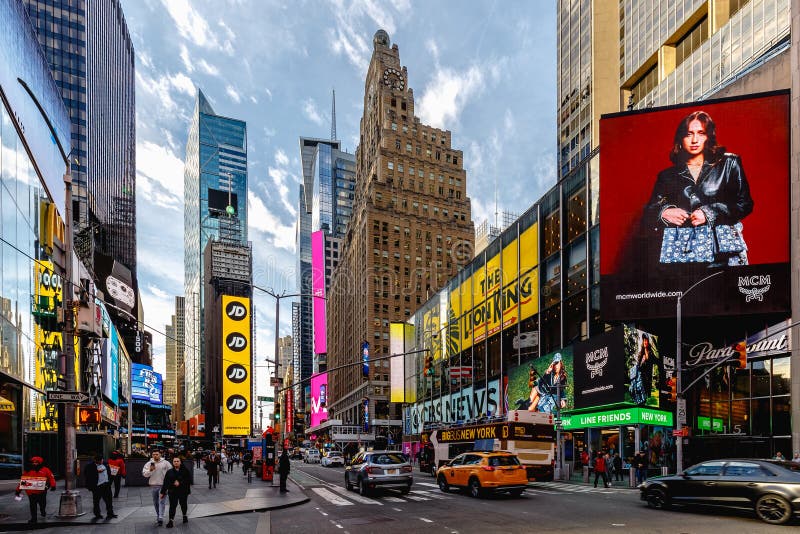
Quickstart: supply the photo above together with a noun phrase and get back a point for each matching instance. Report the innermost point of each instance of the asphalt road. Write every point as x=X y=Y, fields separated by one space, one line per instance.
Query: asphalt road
x=546 y=507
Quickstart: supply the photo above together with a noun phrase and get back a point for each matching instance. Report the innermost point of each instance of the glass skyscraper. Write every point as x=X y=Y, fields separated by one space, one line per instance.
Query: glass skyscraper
x=215 y=180
x=89 y=49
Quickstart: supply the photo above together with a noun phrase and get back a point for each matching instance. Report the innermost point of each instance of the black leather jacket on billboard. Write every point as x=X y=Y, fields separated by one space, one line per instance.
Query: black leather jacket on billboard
x=721 y=192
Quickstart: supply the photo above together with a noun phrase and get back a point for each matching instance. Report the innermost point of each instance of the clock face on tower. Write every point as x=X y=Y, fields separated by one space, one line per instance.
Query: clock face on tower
x=394 y=79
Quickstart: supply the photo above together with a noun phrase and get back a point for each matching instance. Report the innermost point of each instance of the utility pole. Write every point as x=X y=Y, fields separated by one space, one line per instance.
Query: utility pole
x=70 y=503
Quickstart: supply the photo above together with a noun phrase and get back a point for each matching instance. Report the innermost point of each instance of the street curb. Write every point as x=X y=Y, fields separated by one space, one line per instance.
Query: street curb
x=14 y=527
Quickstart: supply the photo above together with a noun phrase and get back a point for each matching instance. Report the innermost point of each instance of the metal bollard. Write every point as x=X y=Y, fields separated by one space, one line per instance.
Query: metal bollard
x=664 y=471
x=632 y=477
x=585 y=474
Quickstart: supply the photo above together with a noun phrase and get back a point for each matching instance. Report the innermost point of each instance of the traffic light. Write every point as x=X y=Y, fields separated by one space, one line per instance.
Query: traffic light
x=672 y=382
x=741 y=354
x=277 y=409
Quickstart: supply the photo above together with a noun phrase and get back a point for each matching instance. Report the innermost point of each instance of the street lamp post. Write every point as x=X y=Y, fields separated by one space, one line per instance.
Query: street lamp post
x=681 y=405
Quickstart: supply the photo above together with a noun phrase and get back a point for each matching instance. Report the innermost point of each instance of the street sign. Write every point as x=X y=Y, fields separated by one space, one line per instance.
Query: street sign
x=682 y=412
x=266 y=399
x=276 y=382
x=67 y=396
x=682 y=432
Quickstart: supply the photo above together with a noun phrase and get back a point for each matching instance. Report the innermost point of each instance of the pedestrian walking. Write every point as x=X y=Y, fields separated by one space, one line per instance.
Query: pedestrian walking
x=230 y=463
x=35 y=481
x=283 y=470
x=223 y=460
x=177 y=484
x=154 y=471
x=247 y=461
x=212 y=469
x=617 y=467
x=609 y=460
x=98 y=481
x=585 y=458
x=640 y=464
x=117 y=465
x=600 y=469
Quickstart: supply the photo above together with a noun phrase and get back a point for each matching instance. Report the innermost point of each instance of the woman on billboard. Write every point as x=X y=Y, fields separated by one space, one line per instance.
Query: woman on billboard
x=641 y=372
x=700 y=201
x=545 y=393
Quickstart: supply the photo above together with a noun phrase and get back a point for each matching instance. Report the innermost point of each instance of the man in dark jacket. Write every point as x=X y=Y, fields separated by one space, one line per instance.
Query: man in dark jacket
x=98 y=481
x=283 y=470
x=212 y=469
x=177 y=483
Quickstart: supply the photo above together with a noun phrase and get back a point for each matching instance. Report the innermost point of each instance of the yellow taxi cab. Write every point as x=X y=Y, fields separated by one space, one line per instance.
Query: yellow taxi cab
x=483 y=472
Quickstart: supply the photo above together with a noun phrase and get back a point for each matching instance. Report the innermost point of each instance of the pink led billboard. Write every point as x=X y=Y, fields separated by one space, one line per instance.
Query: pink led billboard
x=319 y=399
x=318 y=287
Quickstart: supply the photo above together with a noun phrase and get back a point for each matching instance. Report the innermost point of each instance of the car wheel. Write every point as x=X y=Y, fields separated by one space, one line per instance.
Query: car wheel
x=347 y=485
x=363 y=490
x=443 y=485
x=657 y=498
x=516 y=492
x=406 y=490
x=433 y=470
x=773 y=509
x=475 y=488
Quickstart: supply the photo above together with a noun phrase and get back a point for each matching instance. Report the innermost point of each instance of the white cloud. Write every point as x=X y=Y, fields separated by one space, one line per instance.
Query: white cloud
x=233 y=93
x=253 y=99
x=280 y=177
x=159 y=176
x=187 y=61
x=262 y=220
x=193 y=27
x=281 y=158
x=208 y=68
x=162 y=87
x=268 y=93
x=311 y=112
x=447 y=94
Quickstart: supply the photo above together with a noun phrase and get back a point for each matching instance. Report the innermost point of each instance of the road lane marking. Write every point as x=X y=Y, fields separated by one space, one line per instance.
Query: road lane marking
x=357 y=498
x=331 y=497
x=397 y=509
x=426 y=520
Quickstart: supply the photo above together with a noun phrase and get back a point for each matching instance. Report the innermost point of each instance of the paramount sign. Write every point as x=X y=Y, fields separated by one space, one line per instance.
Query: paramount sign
x=760 y=344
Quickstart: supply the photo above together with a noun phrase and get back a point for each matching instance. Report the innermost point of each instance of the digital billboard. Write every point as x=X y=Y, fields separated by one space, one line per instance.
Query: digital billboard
x=622 y=365
x=534 y=385
x=692 y=190
x=146 y=384
x=319 y=399
x=401 y=368
x=318 y=288
x=236 y=366
x=110 y=355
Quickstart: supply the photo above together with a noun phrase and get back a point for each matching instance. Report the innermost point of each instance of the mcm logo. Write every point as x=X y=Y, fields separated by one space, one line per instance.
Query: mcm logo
x=236 y=373
x=235 y=311
x=236 y=342
x=596 y=360
x=236 y=404
x=754 y=287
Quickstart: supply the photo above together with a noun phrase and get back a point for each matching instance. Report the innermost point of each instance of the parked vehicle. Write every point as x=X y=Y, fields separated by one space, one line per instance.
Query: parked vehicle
x=333 y=458
x=373 y=469
x=484 y=472
x=769 y=487
x=312 y=456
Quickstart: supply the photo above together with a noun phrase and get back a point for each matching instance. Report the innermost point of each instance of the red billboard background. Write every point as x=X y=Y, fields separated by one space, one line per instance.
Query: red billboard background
x=635 y=147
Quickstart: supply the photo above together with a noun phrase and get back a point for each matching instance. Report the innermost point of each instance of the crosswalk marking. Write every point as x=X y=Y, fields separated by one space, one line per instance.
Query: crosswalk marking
x=417 y=498
x=357 y=498
x=431 y=494
x=572 y=488
x=393 y=499
x=331 y=497
x=429 y=484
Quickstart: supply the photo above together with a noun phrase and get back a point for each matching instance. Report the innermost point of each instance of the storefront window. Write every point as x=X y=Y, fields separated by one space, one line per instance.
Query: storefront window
x=761 y=417
x=551 y=240
x=494 y=356
x=575 y=319
x=780 y=376
x=740 y=417
x=761 y=378
x=576 y=272
x=741 y=383
x=781 y=416
x=551 y=289
x=576 y=212
x=551 y=329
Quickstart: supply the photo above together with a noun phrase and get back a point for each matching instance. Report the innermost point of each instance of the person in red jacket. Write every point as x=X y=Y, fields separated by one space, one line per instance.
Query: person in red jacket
x=600 y=469
x=118 y=462
x=36 y=497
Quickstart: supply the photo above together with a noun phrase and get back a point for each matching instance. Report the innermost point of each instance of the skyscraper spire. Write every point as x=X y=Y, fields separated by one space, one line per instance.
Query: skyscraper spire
x=333 y=115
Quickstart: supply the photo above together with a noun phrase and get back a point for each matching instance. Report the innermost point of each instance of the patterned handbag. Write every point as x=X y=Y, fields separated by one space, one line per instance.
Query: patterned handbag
x=729 y=238
x=687 y=245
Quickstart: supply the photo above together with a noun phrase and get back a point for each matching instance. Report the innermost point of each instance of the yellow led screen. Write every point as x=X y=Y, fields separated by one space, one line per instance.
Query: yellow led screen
x=236 y=366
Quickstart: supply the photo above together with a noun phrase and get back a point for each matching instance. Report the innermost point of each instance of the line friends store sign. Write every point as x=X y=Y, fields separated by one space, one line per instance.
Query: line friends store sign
x=627 y=416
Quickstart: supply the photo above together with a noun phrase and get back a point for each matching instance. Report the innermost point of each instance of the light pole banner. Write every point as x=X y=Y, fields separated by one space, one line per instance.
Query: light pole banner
x=236 y=366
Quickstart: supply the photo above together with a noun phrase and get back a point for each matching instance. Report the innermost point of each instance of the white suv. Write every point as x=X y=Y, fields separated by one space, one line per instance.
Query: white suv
x=312 y=456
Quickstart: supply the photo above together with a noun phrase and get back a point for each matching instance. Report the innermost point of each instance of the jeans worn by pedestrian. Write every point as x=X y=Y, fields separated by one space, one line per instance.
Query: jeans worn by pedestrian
x=158 y=502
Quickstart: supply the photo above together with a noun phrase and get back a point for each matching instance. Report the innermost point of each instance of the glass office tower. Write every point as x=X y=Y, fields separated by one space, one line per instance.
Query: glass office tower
x=215 y=182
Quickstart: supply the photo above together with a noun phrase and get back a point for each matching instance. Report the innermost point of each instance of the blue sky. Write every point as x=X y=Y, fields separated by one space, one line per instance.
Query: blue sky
x=484 y=70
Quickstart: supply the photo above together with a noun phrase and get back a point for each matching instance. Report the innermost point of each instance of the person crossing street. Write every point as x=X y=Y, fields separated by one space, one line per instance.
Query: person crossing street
x=31 y=482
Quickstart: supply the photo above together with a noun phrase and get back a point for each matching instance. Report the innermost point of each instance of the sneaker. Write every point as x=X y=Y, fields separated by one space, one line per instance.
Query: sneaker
x=170 y=524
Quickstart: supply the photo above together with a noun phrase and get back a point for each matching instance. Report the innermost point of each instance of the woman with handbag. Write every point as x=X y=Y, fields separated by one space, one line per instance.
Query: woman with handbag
x=698 y=203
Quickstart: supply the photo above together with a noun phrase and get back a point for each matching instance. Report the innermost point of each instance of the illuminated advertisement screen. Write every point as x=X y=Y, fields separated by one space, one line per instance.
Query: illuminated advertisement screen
x=110 y=353
x=534 y=385
x=146 y=384
x=318 y=288
x=319 y=399
x=689 y=191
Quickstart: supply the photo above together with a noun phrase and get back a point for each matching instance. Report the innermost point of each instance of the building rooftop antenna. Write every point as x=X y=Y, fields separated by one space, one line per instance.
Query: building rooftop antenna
x=333 y=115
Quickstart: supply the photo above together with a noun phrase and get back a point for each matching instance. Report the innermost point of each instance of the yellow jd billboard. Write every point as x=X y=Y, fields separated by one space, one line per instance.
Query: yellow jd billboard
x=236 y=366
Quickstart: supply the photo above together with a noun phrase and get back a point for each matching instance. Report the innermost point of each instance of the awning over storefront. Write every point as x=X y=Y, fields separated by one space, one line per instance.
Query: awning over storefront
x=617 y=417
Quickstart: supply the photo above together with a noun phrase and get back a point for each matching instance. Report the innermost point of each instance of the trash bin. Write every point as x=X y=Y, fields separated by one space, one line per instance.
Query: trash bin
x=566 y=472
x=585 y=474
x=632 y=477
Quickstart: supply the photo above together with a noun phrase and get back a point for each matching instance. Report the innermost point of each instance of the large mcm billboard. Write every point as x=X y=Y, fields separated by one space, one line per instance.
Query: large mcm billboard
x=319 y=399
x=318 y=288
x=693 y=190
x=236 y=366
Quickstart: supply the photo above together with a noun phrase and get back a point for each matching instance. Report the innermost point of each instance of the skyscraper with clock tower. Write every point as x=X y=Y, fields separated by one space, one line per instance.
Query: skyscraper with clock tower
x=410 y=232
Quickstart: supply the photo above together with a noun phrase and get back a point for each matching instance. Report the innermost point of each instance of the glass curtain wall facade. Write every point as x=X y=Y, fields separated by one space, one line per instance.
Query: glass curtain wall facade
x=91 y=55
x=215 y=173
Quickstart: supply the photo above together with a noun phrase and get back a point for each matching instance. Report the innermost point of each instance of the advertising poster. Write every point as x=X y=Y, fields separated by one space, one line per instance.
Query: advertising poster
x=691 y=190
x=319 y=399
x=146 y=384
x=318 y=288
x=401 y=340
x=236 y=366
x=643 y=366
x=534 y=385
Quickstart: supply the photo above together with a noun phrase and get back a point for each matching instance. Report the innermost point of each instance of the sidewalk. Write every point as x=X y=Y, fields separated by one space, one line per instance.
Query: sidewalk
x=232 y=495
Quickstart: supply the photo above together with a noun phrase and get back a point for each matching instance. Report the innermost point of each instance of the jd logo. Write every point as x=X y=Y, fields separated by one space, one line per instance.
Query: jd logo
x=236 y=373
x=235 y=311
x=236 y=404
x=236 y=342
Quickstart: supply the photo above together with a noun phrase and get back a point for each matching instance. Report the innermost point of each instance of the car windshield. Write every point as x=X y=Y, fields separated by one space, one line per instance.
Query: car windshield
x=386 y=458
x=498 y=461
x=705 y=469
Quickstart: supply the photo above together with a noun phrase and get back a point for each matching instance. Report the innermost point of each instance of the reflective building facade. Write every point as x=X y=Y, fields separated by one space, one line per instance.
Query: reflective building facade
x=215 y=182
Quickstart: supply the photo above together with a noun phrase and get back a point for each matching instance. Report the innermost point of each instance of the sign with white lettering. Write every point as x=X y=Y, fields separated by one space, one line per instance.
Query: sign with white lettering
x=464 y=405
x=626 y=416
x=760 y=344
